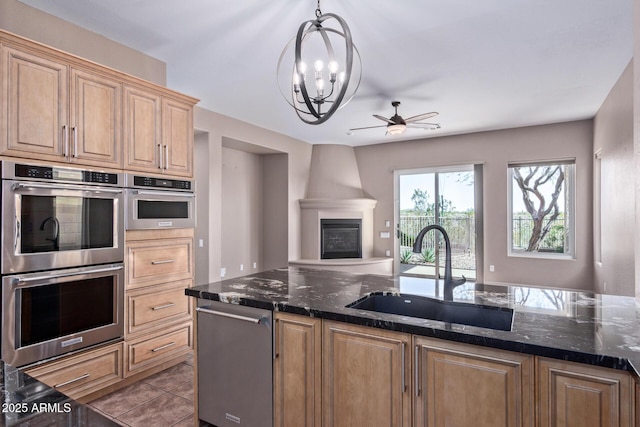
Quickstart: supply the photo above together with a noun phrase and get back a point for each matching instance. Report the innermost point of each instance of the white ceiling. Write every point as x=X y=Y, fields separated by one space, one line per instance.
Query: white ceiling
x=482 y=65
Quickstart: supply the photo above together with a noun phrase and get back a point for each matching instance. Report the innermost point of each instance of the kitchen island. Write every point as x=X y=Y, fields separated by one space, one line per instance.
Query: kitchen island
x=553 y=332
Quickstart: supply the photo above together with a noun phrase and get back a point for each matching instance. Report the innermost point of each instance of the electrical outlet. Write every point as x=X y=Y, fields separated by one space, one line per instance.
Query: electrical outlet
x=255 y=265
x=223 y=272
x=387 y=223
x=201 y=243
x=241 y=267
x=387 y=252
x=492 y=268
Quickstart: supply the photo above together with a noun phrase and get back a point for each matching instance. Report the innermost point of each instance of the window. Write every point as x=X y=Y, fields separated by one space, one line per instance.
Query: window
x=541 y=213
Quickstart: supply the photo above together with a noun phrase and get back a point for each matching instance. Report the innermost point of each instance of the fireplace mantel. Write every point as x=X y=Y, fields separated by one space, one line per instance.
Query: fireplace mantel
x=339 y=204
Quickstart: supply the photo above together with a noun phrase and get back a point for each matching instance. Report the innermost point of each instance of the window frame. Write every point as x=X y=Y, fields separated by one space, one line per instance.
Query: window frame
x=569 y=188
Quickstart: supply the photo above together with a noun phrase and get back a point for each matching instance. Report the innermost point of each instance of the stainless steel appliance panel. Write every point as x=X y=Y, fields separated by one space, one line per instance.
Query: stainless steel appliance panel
x=47 y=314
x=155 y=203
x=235 y=355
x=49 y=224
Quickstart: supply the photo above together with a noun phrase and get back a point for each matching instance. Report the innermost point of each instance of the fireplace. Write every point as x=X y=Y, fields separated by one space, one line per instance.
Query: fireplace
x=340 y=238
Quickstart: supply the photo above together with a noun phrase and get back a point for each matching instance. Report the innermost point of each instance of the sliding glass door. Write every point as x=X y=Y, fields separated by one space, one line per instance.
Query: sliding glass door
x=443 y=196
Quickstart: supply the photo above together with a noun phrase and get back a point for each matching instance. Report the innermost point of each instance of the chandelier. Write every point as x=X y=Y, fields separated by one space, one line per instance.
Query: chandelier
x=317 y=94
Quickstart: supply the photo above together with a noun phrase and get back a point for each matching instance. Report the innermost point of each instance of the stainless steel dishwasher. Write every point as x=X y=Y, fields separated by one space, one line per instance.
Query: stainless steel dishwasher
x=235 y=360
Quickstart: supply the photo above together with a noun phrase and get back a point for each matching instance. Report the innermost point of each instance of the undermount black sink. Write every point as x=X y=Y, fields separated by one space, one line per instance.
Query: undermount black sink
x=483 y=316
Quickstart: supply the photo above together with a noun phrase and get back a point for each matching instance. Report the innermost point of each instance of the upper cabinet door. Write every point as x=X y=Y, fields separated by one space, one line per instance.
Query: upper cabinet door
x=142 y=129
x=177 y=137
x=34 y=107
x=96 y=113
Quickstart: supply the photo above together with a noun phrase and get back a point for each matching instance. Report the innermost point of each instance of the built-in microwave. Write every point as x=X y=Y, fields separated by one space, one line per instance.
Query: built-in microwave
x=156 y=203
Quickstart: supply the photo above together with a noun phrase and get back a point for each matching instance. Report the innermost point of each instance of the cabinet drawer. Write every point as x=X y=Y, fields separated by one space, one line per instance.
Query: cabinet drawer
x=159 y=261
x=155 y=349
x=151 y=309
x=81 y=374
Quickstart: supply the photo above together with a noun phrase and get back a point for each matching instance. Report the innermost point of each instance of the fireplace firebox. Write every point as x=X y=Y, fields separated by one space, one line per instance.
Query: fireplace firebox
x=340 y=238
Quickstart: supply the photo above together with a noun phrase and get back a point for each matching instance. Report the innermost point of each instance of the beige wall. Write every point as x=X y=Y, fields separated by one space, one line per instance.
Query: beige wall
x=636 y=133
x=613 y=140
x=494 y=150
x=39 y=26
x=225 y=131
x=241 y=212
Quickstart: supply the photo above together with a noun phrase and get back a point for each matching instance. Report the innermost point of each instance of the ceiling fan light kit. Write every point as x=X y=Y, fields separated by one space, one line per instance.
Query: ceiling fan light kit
x=316 y=95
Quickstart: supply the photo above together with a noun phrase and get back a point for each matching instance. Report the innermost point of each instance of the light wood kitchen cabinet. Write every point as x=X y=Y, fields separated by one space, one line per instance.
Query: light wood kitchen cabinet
x=96 y=117
x=177 y=137
x=35 y=113
x=297 y=371
x=572 y=394
x=83 y=373
x=365 y=376
x=143 y=131
x=54 y=111
x=158 y=132
x=159 y=324
x=159 y=257
x=466 y=385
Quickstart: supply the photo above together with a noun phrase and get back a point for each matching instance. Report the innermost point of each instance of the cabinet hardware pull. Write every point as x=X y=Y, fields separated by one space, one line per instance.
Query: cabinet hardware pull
x=166 y=156
x=416 y=374
x=160 y=307
x=404 y=382
x=75 y=141
x=162 y=347
x=275 y=339
x=81 y=377
x=232 y=316
x=164 y=261
x=65 y=149
x=159 y=156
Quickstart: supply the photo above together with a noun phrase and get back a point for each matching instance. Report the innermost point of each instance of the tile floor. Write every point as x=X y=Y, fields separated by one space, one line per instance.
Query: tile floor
x=164 y=399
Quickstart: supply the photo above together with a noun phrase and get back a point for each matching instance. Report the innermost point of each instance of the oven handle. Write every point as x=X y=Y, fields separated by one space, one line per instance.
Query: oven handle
x=20 y=185
x=19 y=279
x=163 y=193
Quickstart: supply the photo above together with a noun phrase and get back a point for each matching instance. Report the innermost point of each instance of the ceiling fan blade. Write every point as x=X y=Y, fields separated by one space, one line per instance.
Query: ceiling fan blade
x=384 y=119
x=368 y=127
x=419 y=117
x=426 y=126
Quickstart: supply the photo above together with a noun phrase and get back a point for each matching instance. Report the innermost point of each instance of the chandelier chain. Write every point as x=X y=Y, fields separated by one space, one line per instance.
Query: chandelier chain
x=318 y=11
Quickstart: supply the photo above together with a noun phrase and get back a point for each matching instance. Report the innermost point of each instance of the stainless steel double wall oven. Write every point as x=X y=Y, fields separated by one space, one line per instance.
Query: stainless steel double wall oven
x=61 y=261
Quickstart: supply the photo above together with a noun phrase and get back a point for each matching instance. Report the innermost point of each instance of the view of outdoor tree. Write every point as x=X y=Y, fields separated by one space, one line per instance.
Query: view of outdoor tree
x=541 y=187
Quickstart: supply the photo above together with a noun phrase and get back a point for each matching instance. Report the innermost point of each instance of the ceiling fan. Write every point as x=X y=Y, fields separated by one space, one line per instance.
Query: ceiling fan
x=396 y=125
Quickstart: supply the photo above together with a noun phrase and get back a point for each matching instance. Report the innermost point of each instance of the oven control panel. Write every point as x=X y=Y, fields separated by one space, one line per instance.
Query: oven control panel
x=62 y=174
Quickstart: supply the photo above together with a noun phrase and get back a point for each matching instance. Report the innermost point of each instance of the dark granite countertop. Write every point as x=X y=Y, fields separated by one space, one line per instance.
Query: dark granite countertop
x=28 y=402
x=601 y=330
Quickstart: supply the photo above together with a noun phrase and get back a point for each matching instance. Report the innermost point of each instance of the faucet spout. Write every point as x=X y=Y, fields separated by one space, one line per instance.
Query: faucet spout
x=449 y=282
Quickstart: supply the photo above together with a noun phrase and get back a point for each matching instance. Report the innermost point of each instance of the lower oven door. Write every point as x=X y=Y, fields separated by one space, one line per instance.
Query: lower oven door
x=52 y=313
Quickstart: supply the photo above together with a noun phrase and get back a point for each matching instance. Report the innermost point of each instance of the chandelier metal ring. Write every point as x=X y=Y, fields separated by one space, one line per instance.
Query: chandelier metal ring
x=309 y=108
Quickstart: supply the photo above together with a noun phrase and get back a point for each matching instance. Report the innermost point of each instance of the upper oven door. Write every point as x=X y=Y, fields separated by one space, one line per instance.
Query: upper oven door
x=155 y=209
x=47 y=225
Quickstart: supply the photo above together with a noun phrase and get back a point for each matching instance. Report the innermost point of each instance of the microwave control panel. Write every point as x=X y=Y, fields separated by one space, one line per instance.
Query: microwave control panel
x=169 y=184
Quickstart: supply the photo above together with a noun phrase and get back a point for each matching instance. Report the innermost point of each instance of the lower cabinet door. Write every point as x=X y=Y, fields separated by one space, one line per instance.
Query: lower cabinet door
x=573 y=394
x=366 y=377
x=81 y=374
x=297 y=371
x=470 y=386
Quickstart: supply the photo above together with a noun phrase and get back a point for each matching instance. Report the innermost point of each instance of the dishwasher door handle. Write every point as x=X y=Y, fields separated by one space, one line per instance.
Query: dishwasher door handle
x=230 y=315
